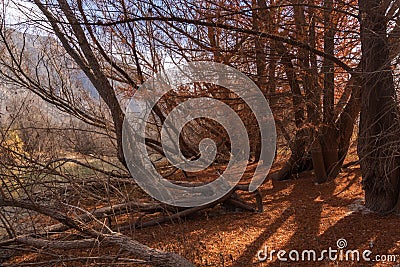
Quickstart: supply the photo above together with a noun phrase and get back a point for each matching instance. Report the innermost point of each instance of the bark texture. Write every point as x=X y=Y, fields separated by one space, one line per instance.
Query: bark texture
x=378 y=143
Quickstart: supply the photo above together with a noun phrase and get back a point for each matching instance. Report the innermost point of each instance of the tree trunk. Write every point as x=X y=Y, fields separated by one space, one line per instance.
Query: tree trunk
x=329 y=138
x=89 y=64
x=299 y=160
x=317 y=156
x=345 y=123
x=378 y=142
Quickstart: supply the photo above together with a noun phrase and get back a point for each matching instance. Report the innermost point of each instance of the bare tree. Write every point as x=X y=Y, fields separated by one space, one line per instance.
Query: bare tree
x=378 y=142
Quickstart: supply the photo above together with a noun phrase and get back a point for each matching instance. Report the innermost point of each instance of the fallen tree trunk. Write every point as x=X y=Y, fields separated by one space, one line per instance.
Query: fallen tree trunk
x=105 y=236
x=152 y=256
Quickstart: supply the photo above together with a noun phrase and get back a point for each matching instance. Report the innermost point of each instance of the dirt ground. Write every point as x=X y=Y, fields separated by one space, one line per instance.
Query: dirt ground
x=298 y=215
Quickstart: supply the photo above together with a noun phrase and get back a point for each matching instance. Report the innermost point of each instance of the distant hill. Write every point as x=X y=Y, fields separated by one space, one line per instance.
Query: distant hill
x=38 y=60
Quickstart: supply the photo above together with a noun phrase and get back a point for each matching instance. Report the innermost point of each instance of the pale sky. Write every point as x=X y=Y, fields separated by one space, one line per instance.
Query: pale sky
x=18 y=12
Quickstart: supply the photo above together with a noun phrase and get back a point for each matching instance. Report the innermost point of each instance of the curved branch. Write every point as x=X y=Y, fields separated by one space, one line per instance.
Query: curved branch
x=235 y=29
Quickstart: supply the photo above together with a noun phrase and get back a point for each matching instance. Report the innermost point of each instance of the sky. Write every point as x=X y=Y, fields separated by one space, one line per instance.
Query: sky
x=18 y=13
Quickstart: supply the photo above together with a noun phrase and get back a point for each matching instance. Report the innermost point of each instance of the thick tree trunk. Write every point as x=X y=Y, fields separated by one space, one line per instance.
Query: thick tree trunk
x=345 y=124
x=328 y=137
x=378 y=143
x=299 y=160
x=317 y=156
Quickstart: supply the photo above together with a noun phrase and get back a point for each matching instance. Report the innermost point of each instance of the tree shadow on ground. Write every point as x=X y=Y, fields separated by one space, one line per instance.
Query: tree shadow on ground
x=298 y=215
x=310 y=217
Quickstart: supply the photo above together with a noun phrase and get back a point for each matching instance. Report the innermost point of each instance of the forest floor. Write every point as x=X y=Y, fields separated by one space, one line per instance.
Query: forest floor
x=298 y=215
